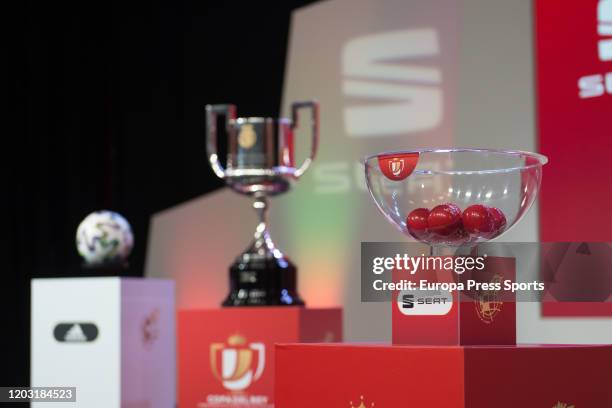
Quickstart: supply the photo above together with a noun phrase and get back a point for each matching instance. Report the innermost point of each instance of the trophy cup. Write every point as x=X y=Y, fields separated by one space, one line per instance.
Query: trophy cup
x=260 y=164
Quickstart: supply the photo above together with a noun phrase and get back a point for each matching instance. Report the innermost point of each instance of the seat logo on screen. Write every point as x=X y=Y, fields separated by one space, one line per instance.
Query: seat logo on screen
x=75 y=332
x=604 y=29
x=595 y=85
x=393 y=89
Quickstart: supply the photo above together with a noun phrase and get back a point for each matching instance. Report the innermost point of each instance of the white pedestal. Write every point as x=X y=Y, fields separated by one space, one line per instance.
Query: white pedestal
x=111 y=338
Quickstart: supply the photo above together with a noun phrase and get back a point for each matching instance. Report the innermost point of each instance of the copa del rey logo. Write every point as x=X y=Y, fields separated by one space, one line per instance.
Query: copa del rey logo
x=397 y=166
x=237 y=364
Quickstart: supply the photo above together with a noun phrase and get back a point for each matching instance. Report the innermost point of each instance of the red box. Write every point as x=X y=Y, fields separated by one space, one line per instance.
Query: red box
x=226 y=356
x=336 y=375
x=472 y=317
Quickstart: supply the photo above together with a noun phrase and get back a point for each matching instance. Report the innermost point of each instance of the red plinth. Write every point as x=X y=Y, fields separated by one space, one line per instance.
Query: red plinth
x=226 y=356
x=470 y=317
x=336 y=375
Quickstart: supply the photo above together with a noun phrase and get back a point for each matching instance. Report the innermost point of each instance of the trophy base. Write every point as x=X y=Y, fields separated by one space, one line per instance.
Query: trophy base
x=263 y=282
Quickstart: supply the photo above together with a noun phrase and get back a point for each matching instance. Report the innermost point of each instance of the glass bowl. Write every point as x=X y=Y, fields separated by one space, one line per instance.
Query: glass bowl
x=454 y=196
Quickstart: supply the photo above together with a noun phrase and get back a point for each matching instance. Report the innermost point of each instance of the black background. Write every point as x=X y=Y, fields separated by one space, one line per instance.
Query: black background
x=107 y=101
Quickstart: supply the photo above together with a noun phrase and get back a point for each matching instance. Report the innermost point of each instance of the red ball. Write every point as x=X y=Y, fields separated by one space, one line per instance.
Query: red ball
x=499 y=220
x=478 y=220
x=444 y=220
x=417 y=223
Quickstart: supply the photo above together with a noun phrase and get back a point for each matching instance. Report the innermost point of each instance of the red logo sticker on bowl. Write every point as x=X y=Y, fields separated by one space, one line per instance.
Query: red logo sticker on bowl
x=397 y=166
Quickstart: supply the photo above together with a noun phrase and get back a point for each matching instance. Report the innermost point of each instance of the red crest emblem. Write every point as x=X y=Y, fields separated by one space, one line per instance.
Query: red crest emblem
x=397 y=167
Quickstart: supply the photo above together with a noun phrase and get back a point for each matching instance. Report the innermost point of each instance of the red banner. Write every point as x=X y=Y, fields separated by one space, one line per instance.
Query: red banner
x=574 y=84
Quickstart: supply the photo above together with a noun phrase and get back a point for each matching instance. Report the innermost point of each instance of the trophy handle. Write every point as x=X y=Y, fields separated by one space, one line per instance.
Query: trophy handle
x=212 y=111
x=314 y=112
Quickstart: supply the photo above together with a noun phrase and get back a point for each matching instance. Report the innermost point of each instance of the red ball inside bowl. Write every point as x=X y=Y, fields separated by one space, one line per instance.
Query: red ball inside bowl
x=444 y=220
x=499 y=220
x=417 y=224
x=478 y=220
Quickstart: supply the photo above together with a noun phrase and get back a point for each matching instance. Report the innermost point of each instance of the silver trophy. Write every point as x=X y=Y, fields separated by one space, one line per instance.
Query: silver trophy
x=260 y=163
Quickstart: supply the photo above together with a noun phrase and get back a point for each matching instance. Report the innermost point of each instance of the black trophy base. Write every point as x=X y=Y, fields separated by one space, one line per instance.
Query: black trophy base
x=263 y=282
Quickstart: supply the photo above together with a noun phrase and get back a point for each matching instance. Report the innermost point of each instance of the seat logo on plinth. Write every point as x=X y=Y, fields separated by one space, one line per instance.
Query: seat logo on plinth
x=424 y=302
x=237 y=364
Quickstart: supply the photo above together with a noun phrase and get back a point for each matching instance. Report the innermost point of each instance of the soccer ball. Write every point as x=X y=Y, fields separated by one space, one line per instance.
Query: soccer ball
x=104 y=237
